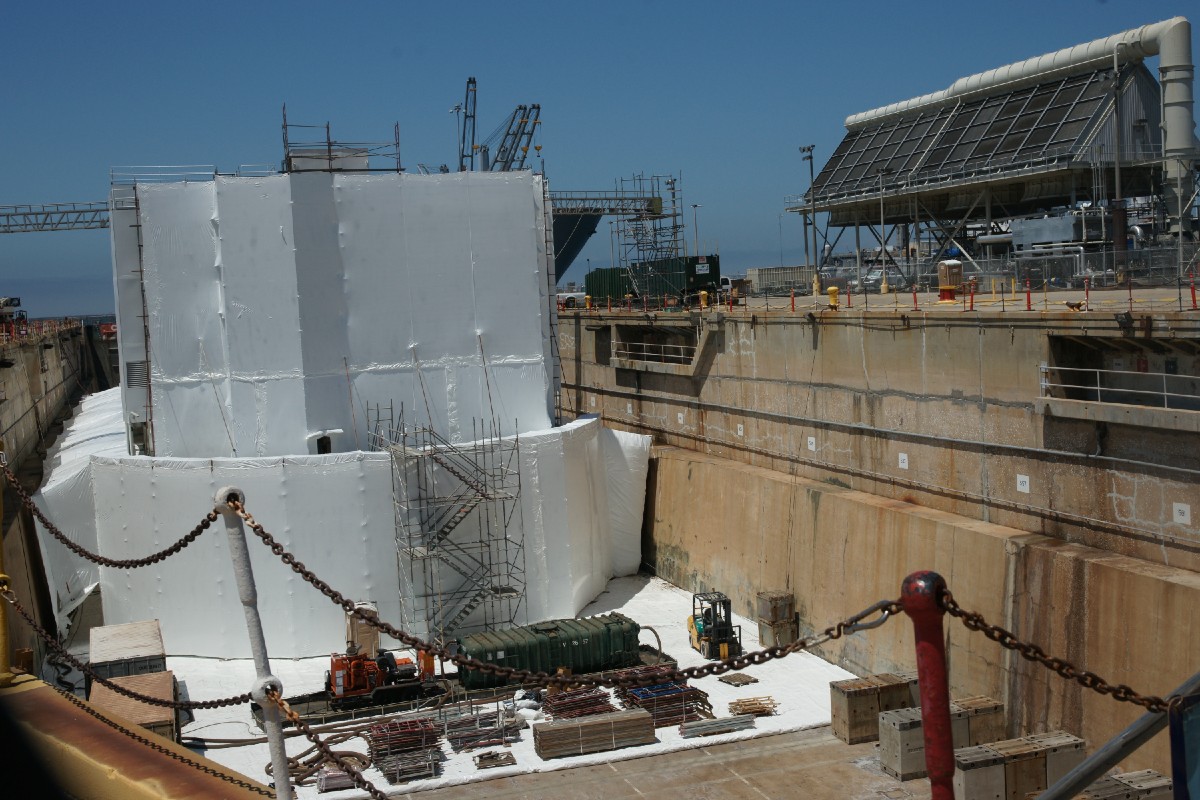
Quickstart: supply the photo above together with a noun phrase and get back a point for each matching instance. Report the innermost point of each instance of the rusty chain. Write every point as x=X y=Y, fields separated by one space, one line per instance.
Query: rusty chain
x=166 y=751
x=131 y=563
x=354 y=773
x=1063 y=668
x=886 y=608
x=53 y=644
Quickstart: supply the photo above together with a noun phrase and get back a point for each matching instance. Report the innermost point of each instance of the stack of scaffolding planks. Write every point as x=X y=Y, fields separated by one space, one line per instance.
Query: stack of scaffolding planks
x=670 y=703
x=578 y=703
x=593 y=734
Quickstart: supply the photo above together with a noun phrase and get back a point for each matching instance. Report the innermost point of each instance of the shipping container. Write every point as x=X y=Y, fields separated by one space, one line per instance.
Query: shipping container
x=592 y=644
x=607 y=283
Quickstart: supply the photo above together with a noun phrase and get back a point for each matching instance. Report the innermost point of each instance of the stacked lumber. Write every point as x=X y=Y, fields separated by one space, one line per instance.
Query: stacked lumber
x=593 y=734
x=578 y=703
x=670 y=703
x=758 y=706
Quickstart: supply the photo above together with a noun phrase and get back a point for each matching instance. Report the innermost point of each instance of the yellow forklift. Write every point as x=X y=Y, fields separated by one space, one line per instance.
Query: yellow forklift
x=711 y=627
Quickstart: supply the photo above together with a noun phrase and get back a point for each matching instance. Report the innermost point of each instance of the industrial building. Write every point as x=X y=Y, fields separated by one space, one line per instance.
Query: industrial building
x=1074 y=164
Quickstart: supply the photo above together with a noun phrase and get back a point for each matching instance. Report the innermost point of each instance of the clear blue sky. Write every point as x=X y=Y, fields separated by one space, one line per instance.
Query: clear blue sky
x=720 y=92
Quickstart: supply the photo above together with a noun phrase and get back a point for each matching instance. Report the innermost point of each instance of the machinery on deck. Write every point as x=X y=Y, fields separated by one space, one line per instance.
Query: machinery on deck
x=711 y=627
x=356 y=679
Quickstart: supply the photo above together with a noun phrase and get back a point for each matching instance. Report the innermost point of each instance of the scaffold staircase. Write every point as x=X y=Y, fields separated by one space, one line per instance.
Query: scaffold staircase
x=460 y=569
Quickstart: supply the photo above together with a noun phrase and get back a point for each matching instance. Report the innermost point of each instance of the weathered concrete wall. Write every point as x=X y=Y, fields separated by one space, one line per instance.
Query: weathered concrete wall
x=43 y=373
x=713 y=523
x=939 y=407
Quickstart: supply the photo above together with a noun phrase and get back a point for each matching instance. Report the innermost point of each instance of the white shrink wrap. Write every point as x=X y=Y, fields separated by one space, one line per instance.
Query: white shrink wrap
x=626 y=465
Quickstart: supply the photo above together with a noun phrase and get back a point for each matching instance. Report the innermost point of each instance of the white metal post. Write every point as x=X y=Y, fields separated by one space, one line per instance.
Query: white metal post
x=239 y=554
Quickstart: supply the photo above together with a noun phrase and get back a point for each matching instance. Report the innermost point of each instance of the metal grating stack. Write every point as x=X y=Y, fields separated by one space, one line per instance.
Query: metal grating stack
x=405 y=749
x=577 y=703
x=483 y=730
x=573 y=737
x=670 y=703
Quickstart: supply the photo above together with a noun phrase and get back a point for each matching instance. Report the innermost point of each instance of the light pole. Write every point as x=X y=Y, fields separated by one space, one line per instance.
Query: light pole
x=696 y=225
x=807 y=150
x=781 y=240
x=882 y=237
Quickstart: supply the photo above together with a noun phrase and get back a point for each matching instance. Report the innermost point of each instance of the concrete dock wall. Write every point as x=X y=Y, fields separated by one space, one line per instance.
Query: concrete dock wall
x=943 y=408
x=713 y=523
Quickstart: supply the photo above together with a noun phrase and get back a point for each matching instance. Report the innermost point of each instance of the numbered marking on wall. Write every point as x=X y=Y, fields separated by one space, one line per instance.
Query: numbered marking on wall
x=812 y=443
x=592 y=401
x=1182 y=513
x=629 y=408
x=904 y=461
x=1023 y=484
x=741 y=430
x=679 y=417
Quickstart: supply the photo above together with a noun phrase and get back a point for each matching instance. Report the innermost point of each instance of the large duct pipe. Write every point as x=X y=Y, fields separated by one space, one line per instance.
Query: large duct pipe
x=1170 y=39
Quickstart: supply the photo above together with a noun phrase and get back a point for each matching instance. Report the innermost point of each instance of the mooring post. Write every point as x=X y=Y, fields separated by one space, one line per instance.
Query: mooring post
x=921 y=595
x=239 y=554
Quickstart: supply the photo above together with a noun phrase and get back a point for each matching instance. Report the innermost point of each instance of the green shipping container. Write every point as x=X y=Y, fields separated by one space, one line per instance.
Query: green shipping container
x=605 y=283
x=592 y=644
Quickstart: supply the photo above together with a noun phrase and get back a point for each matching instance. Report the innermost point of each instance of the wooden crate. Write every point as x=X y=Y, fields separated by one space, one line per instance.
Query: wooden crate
x=1146 y=784
x=1064 y=752
x=854 y=709
x=902 y=739
x=978 y=774
x=160 y=685
x=985 y=719
x=855 y=704
x=132 y=648
x=777 y=634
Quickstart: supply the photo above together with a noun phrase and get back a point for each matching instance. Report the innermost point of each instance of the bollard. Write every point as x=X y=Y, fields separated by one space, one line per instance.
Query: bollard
x=794 y=299
x=972 y=295
x=849 y=297
x=610 y=304
x=1028 y=296
x=703 y=299
x=914 y=297
x=833 y=298
x=239 y=554
x=730 y=301
x=1087 y=295
x=921 y=594
x=1193 y=274
x=1129 y=285
x=587 y=301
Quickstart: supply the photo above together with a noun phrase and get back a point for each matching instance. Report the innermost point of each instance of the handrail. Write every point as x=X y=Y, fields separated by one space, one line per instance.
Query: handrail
x=649 y=351
x=1115 y=750
x=1162 y=395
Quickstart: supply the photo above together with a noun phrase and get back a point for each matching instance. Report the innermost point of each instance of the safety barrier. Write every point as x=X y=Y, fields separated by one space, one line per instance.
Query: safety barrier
x=1098 y=385
x=924 y=598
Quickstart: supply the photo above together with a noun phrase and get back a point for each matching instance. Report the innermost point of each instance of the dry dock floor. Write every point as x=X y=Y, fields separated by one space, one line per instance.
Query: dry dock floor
x=809 y=763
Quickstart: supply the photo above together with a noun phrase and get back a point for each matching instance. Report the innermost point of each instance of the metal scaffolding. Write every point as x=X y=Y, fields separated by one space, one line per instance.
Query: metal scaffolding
x=460 y=569
x=647 y=241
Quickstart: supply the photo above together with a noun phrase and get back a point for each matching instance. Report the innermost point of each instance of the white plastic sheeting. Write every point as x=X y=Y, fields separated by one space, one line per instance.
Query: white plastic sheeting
x=580 y=523
x=279 y=308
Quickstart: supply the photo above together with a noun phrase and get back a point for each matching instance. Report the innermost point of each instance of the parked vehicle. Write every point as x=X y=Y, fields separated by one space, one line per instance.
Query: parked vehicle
x=873 y=280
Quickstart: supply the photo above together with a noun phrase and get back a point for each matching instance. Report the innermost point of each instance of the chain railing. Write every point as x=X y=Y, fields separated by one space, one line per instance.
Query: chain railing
x=95 y=558
x=925 y=598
